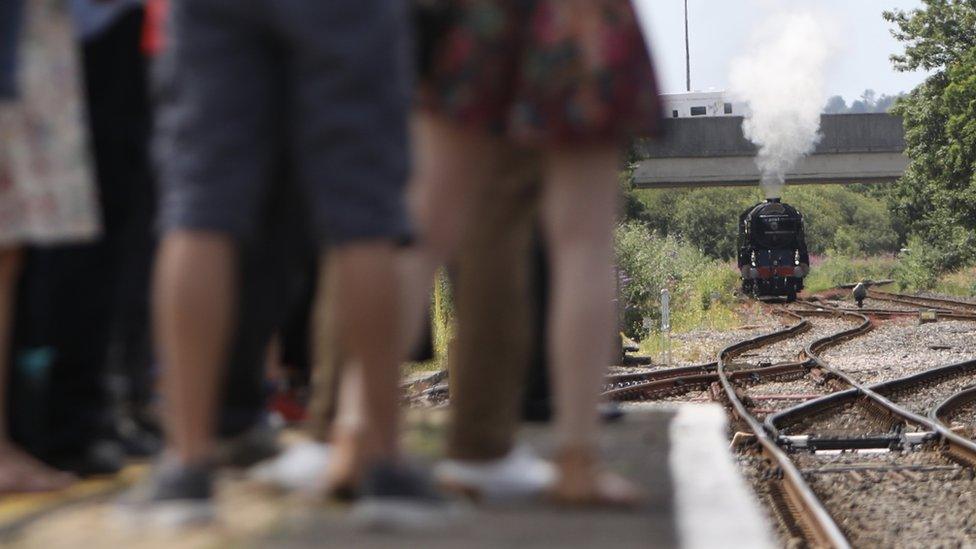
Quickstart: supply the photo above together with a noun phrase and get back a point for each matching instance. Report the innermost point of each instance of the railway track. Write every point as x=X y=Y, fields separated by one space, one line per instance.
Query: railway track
x=823 y=438
x=896 y=307
x=796 y=505
x=943 y=306
x=901 y=459
x=781 y=358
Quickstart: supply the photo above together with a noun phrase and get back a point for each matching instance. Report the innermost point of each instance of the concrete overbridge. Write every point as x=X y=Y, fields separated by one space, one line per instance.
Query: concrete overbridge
x=712 y=152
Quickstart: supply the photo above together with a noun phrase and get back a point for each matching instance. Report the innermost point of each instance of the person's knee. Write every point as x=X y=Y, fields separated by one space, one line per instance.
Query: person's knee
x=208 y=245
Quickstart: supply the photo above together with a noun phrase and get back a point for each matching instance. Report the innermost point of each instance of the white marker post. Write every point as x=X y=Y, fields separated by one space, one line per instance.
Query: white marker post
x=666 y=325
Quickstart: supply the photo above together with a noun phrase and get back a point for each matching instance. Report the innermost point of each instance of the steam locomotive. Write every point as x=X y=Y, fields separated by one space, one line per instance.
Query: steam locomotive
x=773 y=258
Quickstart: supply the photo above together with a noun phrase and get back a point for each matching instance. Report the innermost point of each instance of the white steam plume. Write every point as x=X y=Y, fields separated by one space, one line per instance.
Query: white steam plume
x=782 y=79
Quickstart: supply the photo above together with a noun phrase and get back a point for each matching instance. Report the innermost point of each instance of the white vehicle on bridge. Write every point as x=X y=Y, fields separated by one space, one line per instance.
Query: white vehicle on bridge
x=694 y=104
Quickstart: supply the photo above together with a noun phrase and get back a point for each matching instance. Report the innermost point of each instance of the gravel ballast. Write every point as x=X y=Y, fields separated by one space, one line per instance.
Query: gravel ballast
x=915 y=499
x=901 y=347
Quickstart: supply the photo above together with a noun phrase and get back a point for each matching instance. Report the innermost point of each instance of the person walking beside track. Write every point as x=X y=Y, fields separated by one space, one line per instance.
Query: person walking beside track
x=571 y=80
x=251 y=89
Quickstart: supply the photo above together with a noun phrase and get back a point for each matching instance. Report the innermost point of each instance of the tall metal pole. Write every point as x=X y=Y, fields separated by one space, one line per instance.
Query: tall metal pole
x=687 y=53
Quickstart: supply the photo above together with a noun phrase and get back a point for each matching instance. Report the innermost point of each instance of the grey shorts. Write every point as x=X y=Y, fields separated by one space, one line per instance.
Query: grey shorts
x=317 y=92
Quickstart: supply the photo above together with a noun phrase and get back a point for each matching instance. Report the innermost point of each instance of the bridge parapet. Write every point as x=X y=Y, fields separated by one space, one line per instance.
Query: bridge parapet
x=722 y=136
x=704 y=152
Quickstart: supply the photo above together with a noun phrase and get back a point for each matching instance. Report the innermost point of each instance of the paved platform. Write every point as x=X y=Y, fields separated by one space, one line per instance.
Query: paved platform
x=679 y=454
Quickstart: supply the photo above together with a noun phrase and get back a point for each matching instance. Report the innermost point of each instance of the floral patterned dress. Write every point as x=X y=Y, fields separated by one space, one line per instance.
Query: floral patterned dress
x=46 y=191
x=544 y=71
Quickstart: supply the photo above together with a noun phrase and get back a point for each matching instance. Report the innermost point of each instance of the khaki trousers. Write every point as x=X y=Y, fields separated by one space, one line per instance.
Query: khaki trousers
x=494 y=310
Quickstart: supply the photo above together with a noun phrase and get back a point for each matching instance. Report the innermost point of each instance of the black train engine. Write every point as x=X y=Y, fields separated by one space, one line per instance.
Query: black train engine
x=773 y=256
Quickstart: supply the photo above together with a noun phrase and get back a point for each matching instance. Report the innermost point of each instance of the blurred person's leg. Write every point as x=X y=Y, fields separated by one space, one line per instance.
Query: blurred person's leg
x=451 y=167
x=492 y=349
x=575 y=100
x=327 y=362
x=582 y=247
x=493 y=309
x=216 y=145
x=368 y=294
x=579 y=205
x=42 y=160
x=301 y=465
x=116 y=78
x=273 y=272
x=98 y=322
x=348 y=116
x=19 y=472
x=193 y=303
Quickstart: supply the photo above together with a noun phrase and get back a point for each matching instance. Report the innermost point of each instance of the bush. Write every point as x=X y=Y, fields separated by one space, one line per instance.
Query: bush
x=920 y=266
x=701 y=288
x=838 y=269
x=840 y=220
x=707 y=219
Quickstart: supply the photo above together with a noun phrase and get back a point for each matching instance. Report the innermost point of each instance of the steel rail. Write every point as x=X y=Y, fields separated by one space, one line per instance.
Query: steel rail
x=932 y=302
x=941 y=314
x=957 y=447
x=806 y=508
x=675 y=381
x=942 y=411
x=620 y=381
x=684 y=384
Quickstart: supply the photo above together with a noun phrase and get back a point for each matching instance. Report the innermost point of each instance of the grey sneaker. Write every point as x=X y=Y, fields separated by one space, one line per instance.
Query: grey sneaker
x=396 y=498
x=173 y=496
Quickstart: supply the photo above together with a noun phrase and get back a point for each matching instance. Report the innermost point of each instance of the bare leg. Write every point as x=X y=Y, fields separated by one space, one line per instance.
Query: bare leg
x=450 y=164
x=445 y=158
x=19 y=472
x=578 y=210
x=366 y=311
x=193 y=305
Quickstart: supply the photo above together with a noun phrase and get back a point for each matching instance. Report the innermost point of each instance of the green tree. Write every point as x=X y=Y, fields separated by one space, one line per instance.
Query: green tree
x=835 y=105
x=936 y=199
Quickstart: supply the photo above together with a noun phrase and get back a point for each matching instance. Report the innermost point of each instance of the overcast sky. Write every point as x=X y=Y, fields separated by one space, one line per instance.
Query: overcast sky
x=719 y=31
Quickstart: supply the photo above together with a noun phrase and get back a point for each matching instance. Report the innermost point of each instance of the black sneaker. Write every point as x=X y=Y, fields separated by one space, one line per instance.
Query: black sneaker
x=257 y=444
x=100 y=457
x=173 y=496
x=396 y=498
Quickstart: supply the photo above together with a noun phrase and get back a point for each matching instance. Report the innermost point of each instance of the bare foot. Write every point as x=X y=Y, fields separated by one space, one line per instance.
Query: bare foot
x=20 y=472
x=582 y=483
x=346 y=465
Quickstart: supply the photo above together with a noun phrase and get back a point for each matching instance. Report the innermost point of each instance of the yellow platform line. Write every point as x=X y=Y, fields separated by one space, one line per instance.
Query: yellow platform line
x=16 y=510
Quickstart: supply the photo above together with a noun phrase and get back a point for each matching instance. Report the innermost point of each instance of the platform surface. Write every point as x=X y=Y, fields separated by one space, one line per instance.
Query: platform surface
x=680 y=455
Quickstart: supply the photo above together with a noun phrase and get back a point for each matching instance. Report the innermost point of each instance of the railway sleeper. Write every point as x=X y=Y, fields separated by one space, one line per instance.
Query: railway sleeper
x=787 y=513
x=961 y=455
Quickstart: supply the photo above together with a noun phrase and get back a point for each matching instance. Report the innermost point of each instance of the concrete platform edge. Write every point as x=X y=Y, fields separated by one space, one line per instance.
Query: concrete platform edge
x=714 y=506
